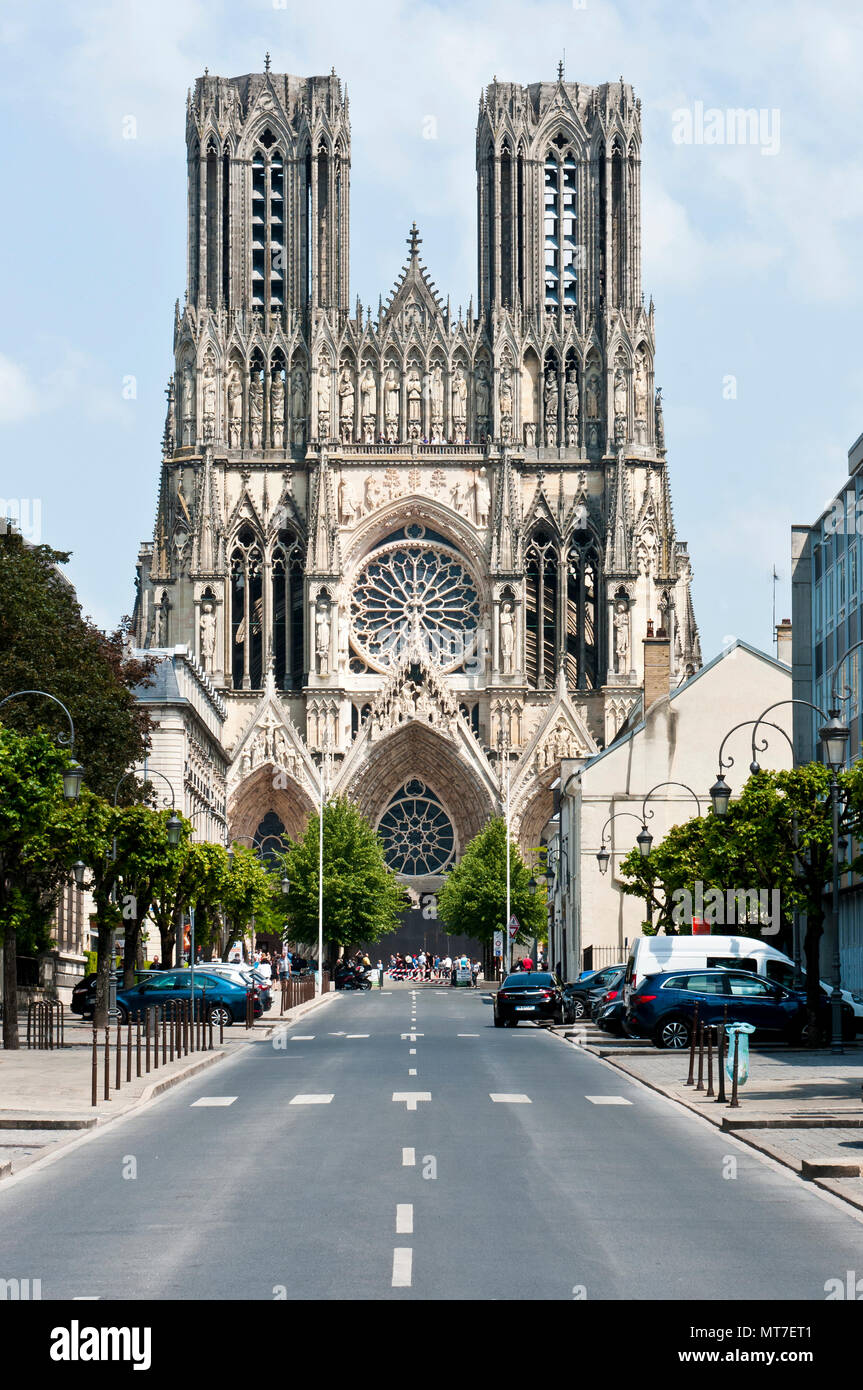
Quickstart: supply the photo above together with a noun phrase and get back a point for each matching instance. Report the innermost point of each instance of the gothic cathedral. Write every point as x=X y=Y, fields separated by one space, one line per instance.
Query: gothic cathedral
x=409 y=549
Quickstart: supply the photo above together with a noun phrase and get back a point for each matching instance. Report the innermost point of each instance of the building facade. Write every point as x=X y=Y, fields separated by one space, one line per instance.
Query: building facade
x=826 y=603
x=414 y=550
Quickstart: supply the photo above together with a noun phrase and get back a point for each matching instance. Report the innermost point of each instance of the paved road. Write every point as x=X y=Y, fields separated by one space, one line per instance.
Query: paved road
x=462 y=1197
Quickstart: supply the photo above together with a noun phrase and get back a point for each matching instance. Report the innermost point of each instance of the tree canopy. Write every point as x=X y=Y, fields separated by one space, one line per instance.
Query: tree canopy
x=472 y=902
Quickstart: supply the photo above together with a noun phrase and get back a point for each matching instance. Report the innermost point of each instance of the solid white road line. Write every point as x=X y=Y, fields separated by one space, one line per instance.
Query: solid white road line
x=410 y=1098
x=301 y=1037
x=467 y=1035
x=310 y=1100
x=404 y=1219
x=402 y=1267
x=608 y=1100
x=502 y=1098
x=356 y=1035
x=214 y=1100
x=409 y=1158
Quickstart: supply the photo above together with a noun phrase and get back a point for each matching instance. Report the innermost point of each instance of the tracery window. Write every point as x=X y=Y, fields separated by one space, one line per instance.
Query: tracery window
x=417 y=833
x=287 y=637
x=268 y=226
x=541 y=570
x=419 y=590
x=582 y=614
x=560 y=228
x=246 y=612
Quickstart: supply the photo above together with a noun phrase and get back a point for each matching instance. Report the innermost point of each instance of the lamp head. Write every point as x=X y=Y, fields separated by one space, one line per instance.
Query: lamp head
x=73 y=776
x=720 y=795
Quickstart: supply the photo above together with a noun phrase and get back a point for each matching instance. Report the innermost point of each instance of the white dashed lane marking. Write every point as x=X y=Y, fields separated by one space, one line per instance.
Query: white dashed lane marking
x=503 y=1099
x=404 y=1219
x=412 y=1071
x=467 y=1035
x=409 y=1158
x=410 y=1098
x=214 y=1100
x=412 y=1052
x=402 y=1267
x=311 y=1100
x=608 y=1100
x=301 y=1037
x=357 y=1035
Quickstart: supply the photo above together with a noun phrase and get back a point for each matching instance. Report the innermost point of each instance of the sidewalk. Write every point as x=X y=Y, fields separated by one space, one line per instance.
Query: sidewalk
x=803 y=1109
x=45 y=1097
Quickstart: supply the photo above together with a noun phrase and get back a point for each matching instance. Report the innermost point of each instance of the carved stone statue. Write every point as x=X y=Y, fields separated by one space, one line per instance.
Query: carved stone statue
x=372 y=492
x=208 y=636
x=188 y=404
x=551 y=405
x=235 y=409
x=621 y=637
x=571 y=406
x=209 y=391
x=619 y=392
x=256 y=410
x=482 y=498
x=481 y=395
x=391 y=404
x=457 y=494
x=591 y=396
x=347 y=510
x=415 y=396
x=459 y=403
x=368 y=395
x=322 y=638
x=298 y=406
x=277 y=410
x=659 y=424
x=346 y=405
x=507 y=638
x=640 y=387
x=324 y=398
x=437 y=393
x=505 y=399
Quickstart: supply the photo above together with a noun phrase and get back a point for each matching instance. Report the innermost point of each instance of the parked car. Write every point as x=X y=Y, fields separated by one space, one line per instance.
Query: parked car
x=577 y=991
x=243 y=975
x=613 y=989
x=651 y=955
x=663 y=1005
x=611 y=1017
x=529 y=995
x=224 y=1000
x=84 y=992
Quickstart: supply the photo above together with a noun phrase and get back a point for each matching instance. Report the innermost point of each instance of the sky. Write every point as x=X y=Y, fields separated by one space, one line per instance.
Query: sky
x=752 y=251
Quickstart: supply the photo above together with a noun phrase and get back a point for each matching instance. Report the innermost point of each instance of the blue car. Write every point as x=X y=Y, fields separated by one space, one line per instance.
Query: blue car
x=663 y=1006
x=224 y=1001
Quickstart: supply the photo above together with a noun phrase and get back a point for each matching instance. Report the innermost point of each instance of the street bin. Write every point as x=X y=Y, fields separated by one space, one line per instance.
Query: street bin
x=742 y=1031
x=462 y=974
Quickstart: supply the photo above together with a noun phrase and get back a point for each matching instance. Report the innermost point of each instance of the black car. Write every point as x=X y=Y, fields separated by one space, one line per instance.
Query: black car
x=529 y=995
x=576 y=993
x=610 y=1017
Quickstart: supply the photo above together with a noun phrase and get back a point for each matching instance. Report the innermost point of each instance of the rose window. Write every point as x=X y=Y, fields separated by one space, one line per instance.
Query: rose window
x=417 y=832
x=415 y=594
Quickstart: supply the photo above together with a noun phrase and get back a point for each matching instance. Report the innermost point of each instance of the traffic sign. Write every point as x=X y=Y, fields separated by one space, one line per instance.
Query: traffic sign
x=514 y=927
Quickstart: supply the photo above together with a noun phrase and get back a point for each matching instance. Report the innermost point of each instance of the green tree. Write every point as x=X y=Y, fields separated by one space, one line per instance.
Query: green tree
x=472 y=902
x=362 y=896
x=46 y=644
x=779 y=817
x=31 y=802
x=249 y=893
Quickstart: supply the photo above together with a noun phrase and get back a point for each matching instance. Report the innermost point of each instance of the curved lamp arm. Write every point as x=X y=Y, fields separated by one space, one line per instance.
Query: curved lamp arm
x=846 y=693
x=744 y=723
x=68 y=740
x=151 y=773
x=795 y=701
x=615 y=816
x=644 y=811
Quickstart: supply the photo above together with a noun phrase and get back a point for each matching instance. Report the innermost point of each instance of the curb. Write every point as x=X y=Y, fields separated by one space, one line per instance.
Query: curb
x=31 y=1121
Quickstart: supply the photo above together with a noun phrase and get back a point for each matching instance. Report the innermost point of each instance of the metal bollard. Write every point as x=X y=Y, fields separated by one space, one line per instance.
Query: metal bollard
x=164 y=1036
x=128 y=1049
x=138 y=1043
x=95 y=1077
x=710 y=1029
x=700 y=1086
x=720 y=1095
x=107 y=1062
x=155 y=1032
x=221 y=1025
x=690 y=1078
x=734 y=1103
x=210 y=1026
x=147 y=1037
x=118 y=1075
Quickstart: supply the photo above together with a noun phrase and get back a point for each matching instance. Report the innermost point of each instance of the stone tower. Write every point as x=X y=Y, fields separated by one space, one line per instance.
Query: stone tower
x=415 y=544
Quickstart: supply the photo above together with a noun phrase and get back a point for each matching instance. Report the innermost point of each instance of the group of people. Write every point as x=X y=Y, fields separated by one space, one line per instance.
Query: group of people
x=426 y=966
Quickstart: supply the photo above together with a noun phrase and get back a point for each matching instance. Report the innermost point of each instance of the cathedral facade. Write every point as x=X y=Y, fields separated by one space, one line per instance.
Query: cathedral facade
x=410 y=552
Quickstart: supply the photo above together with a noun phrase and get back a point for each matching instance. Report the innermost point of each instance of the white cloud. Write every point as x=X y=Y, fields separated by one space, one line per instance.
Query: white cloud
x=18 y=397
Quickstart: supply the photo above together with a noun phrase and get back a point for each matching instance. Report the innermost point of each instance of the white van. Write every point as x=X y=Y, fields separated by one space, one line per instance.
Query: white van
x=653 y=955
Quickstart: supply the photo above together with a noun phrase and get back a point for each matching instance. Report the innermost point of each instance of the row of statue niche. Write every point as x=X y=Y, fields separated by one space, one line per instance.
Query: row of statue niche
x=472 y=500
x=368 y=388
x=412 y=702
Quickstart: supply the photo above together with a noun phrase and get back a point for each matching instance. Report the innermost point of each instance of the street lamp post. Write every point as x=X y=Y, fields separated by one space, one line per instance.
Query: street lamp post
x=326 y=758
x=834 y=736
x=503 y=746
x=73 y=775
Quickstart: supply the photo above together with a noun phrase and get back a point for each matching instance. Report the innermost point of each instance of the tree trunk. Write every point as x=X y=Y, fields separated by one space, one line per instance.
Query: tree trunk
x=168 y=938
x=131 y=948
x=104 y=963
x=10 y=986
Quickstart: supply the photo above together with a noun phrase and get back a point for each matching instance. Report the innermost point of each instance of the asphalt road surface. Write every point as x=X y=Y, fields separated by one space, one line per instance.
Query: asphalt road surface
x=399 y=1175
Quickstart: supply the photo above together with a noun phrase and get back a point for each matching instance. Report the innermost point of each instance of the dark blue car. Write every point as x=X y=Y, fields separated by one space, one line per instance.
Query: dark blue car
x=223 y=1000
x=663 y=1006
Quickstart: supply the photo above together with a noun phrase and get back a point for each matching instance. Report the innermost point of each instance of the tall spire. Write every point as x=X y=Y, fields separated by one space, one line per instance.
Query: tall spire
x=414 y=241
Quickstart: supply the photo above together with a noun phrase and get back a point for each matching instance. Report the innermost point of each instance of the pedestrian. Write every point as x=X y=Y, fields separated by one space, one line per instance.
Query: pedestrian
x=474 y=973
x=155 y=963
x=527 y=963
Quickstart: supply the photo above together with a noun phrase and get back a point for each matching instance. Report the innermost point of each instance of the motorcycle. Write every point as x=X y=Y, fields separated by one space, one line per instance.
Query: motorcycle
x=352 y=979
